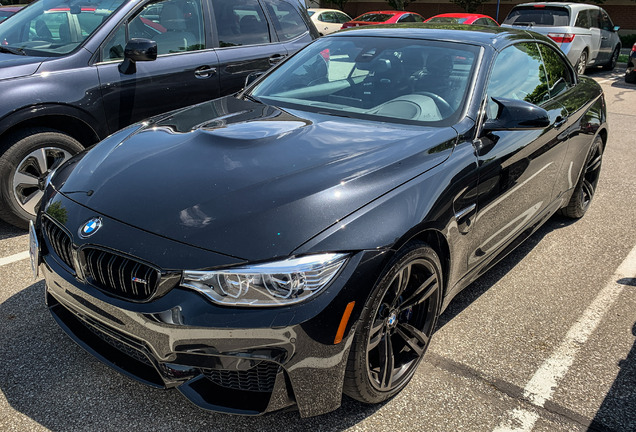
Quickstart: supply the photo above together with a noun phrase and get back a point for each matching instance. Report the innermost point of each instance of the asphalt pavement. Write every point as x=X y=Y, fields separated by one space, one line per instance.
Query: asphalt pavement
x=545 y=341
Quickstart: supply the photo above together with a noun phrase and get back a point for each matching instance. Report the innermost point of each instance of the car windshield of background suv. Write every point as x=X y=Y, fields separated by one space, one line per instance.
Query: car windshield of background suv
x=54 y=27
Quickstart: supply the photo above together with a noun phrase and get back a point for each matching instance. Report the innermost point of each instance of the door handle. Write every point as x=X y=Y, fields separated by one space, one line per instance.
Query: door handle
x=204 y=72
x=275 y=59
x=560 y=121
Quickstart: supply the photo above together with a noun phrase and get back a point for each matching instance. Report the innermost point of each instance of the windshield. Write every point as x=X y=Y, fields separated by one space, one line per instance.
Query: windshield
x=54 y=27
x=539 y=15
x=392 y=79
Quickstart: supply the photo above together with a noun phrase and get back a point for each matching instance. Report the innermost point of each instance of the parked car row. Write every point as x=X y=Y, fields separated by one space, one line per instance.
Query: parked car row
x=331 y=20
x=585 y=33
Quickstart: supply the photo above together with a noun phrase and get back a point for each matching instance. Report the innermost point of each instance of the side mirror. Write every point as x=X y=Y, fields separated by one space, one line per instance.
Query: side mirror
x=252 y=77
x=137 y=50
x=517 y=115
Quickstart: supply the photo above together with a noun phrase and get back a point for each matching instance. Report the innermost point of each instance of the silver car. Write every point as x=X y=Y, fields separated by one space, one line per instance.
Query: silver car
x=584 y=32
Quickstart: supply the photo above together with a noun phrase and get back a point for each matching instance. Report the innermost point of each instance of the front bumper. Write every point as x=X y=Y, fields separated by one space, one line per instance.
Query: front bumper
x=240 y=371
x=232 y=360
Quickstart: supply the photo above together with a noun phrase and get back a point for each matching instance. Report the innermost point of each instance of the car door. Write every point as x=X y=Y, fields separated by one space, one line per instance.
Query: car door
x=607 y=36
x=247 y=42
x=518 y=168
x=184 y=73
x=596 y=53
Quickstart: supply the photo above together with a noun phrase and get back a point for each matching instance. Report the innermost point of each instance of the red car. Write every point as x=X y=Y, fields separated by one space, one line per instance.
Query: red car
x=384 y=17
x=462 y=18
x=7 y=11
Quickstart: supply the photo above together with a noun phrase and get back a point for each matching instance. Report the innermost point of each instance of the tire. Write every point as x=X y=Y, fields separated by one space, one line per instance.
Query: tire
x=395 y=329
x=581 y=63
x=630 y=76
x=26 y=158
x=611 y=64
x=586 y=185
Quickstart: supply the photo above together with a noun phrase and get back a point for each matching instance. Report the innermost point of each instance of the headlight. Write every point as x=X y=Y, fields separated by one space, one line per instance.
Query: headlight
x=271 y=284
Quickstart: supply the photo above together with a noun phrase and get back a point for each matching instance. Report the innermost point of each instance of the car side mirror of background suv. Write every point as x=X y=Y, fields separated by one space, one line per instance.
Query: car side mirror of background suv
x=137 y=50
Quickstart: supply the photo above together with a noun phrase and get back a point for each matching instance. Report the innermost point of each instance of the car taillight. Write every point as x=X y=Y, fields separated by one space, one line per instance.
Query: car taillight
x=561 y=37
x=634 y=48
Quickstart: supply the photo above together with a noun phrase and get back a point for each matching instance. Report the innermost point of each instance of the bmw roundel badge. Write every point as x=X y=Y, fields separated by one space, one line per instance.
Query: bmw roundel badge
x=90 y=227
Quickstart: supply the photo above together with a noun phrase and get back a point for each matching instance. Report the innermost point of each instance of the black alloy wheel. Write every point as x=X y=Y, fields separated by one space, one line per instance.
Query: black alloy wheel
x=396 y=326
x=581 y=64
x=611 y=64
x=586 y=185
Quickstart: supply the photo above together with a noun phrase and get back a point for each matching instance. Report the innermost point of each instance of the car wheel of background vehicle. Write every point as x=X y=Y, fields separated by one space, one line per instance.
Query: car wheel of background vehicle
x=611 y=64
x=25 y=161
x=586 y=186
x=395 y=325
x=581 y=64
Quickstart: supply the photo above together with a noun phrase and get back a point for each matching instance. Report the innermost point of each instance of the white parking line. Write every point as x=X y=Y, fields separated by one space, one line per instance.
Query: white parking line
x=542 y=385
x=14 y=258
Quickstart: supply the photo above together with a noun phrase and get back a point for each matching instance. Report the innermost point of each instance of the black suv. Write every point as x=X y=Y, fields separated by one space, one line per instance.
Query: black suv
x=74 y=71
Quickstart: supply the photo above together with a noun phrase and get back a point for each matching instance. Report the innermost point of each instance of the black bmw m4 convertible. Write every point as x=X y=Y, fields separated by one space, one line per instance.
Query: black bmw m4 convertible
x=299 y=239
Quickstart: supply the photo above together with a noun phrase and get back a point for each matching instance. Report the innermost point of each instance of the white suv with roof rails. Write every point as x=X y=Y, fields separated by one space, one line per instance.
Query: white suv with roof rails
x=584 y=32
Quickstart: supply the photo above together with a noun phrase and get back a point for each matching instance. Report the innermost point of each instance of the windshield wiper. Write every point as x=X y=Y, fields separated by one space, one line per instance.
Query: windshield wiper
x=252 y=98
x=10 y=50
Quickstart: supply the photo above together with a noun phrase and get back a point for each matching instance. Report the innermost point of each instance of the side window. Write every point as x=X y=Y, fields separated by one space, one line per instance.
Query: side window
x=595 y=18
x=491 y=23
x=176 y=26
x=240 y=23
x=481 y=21
x=606 y=22
x=583 y=19
x=418 y=18
x=287 y=21
x=517 y=74
x=327 y=17
x=406 y=18
x=342 y=18
x=559 y=75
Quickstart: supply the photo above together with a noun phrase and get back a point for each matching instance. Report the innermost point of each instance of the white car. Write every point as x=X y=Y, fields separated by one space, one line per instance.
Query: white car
x=327 y=20
x=585 y=33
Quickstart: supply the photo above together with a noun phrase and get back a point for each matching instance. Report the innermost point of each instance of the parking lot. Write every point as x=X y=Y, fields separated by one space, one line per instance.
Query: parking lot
x=545 y=341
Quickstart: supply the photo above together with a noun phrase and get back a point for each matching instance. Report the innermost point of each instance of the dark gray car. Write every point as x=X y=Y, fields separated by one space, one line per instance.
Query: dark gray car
x=74 y=72
x=585 y=33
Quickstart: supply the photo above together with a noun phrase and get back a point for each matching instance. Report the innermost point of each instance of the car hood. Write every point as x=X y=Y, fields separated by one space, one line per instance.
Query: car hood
x=16 y=66
x=246 y=179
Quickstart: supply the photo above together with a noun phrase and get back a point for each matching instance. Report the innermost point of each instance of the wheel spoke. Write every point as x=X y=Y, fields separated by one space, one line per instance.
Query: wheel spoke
x=32 y=201
x=24 y=179
x=413 y=337
x=40 y=157
x=594 y=164
x=588 y=190
x=403 y=280
x=387 y=362
x=376 y=333
x=423 y=292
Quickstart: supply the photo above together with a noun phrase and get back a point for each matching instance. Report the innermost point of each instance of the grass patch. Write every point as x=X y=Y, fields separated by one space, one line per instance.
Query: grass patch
x=623 y=58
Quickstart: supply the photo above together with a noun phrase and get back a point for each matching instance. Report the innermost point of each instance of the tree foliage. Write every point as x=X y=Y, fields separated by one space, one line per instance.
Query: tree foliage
x=469 y=6
x=339 y=4
x=401 y=4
